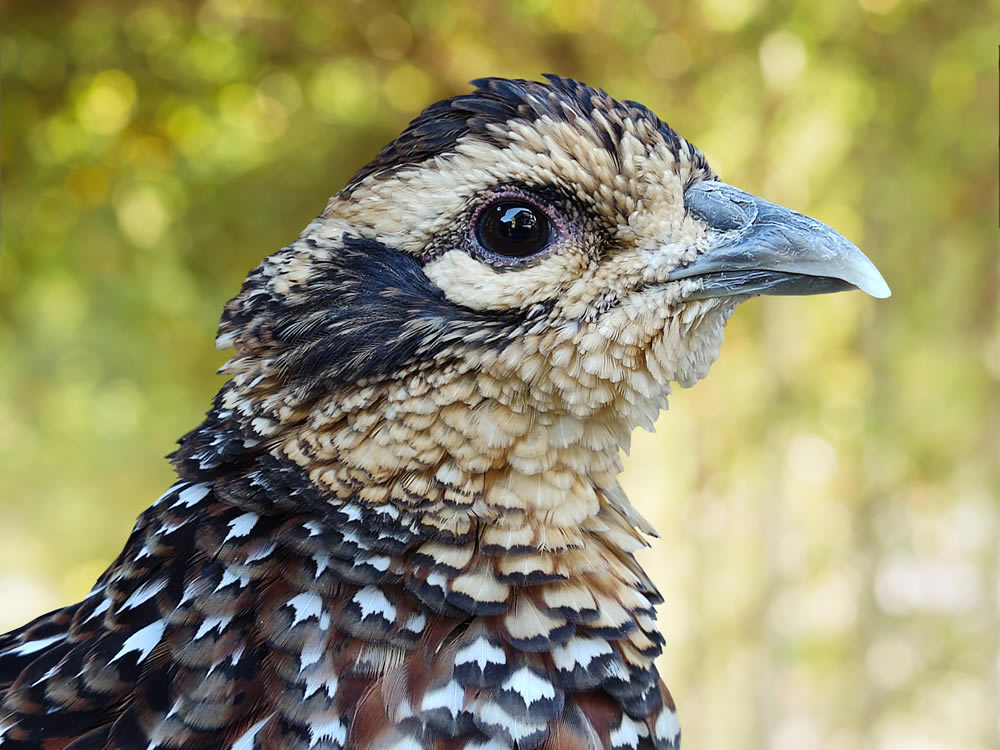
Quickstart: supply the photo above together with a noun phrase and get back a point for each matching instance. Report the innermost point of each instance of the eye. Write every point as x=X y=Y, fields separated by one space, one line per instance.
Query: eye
x=513 y=229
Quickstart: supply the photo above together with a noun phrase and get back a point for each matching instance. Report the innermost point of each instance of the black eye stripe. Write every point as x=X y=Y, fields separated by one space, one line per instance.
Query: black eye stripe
x=513 y=228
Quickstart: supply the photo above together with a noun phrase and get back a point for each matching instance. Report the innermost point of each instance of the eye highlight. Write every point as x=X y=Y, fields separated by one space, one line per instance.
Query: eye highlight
x=513 y=228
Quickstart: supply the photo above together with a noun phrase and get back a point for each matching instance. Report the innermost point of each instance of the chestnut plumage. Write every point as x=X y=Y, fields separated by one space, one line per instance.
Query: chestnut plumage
x=400 y=524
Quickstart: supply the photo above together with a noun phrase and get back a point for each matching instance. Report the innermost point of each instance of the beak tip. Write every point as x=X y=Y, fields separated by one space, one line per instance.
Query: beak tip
x=881 y=293
x=871 y=282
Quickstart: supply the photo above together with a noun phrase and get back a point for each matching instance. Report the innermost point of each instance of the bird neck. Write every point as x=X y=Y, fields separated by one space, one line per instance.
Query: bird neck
x=492 y=480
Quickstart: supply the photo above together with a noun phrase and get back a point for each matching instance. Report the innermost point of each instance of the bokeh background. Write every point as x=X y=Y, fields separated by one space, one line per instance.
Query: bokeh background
x=827 y=498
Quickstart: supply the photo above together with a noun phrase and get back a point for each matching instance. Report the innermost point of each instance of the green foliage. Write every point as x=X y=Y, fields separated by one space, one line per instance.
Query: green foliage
x=827 y=498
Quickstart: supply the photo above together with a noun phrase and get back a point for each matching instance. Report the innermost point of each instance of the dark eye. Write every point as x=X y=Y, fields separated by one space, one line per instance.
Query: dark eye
x=514 y=229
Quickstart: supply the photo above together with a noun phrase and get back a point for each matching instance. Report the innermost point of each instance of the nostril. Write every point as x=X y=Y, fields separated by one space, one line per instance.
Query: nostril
x=717 y=208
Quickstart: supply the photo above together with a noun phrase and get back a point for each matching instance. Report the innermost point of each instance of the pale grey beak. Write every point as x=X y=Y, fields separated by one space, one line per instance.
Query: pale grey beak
x=762 y=248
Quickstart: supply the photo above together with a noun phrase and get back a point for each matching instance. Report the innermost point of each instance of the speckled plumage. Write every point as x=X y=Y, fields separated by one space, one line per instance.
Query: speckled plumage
x=400 y=524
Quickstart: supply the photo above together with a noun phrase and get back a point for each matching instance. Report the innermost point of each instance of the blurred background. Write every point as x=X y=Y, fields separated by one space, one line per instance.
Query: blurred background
x=827 y=499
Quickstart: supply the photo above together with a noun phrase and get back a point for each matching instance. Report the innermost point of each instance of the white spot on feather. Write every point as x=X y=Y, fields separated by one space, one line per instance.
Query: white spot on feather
x=416 y=623
x=241 y=526
x=529 y=686
x=482 y=652
x=351 y=537
x=245 y=741
x=192 y=495
x=438 y=579
x=667 y=726
x=627 y=733
x=315 y=682
x=210 y=624
x=168 y=493
x=321 y=561
x=518 y=730
x=450 y=696
x=332 y=729
x=306 y=605
x=352 y=512
x=175 y=708
x=191 y=590
x=262 y=553
x=228 y=577
x=32 y=647
x=372 y=601
x=579 y=650
x=309 y=655
x=388 y=510
x=143 y=641
x=99 y=610
x=143 y=593
x=50 y=672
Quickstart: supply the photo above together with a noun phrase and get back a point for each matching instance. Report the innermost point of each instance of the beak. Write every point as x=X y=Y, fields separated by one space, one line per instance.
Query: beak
x=759 y=247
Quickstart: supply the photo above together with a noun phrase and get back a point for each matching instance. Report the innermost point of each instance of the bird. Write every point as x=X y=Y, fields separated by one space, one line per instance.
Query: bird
x=400 y=524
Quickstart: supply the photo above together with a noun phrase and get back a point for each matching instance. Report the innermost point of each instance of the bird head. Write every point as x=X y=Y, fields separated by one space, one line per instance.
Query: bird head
x=526 y=255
